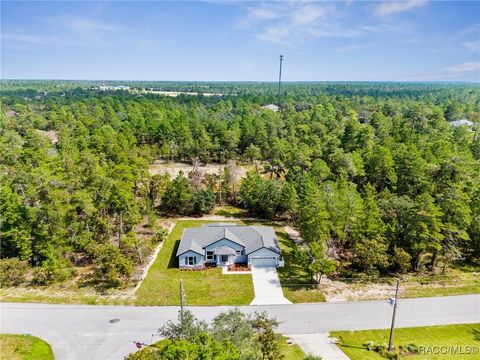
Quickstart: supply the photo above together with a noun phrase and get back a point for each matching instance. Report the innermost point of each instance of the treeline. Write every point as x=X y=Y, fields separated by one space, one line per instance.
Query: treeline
x=375 y=184
x=231 y=335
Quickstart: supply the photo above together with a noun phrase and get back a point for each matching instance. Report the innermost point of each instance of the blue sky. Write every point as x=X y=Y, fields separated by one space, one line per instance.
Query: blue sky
x=231 y=40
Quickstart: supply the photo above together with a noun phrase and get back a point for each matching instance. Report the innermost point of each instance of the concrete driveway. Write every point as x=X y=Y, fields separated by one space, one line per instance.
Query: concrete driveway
x=266 y=284
x=319 y=345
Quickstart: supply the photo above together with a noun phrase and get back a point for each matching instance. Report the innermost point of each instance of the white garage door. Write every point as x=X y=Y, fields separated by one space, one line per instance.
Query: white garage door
x=263 y=261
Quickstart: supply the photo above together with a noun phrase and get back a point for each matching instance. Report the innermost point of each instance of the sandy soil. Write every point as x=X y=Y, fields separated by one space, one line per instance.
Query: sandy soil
x=293 y=233
x=173 y=168
x=50 y=135
x=340 y=291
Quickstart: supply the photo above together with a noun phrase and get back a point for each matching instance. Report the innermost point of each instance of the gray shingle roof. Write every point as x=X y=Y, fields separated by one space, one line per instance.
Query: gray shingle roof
x=251 y=237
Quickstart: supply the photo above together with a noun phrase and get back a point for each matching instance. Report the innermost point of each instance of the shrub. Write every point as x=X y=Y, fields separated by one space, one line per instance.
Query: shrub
x=12 y=271
x=112 y=266
x=382 y=350
x=40 y=276
x=52 y=270
x=401 y=260
x=160 y=236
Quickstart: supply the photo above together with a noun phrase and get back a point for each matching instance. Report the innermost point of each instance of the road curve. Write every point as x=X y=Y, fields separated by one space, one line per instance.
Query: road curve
x=83 y=332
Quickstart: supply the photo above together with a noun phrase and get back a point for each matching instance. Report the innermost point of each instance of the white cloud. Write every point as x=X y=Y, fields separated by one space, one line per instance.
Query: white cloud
x=79 y=31
x=386 y=8
x=86 y=24
x=292 y=22
x=309 y=14
x=349 y=48
x=25 y=38
x=472 y=45
x=465 y=67
x=295 y=22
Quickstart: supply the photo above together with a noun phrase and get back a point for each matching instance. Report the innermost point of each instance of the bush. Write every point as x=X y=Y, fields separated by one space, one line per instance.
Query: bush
x=160 y=236
x=12 y=271
x=112 y=266
x=382 y=350
x=52 y=270
x=401 y=260
x=40 y=276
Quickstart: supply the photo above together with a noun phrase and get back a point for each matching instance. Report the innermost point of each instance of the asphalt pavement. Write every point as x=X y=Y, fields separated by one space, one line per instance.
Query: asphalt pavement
x=83 y=332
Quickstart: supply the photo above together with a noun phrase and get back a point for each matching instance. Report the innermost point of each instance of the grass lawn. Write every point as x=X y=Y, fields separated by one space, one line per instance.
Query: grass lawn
x=457 y=281
x=291 y=351
x=230 y=211
x=206 y=287
x=295 y=281
x=20 y=347
x=457 y=335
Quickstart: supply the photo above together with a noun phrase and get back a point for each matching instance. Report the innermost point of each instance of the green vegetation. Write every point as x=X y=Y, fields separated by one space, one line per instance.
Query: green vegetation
x=22 y=347
x=205 y=287
x=291 y=351
x=232 y=335
x=373 y=175
x=295 y=280
x=352 y=342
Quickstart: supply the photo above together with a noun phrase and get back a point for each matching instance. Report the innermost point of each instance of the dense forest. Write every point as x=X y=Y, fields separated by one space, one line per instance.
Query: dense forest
x=373 y=174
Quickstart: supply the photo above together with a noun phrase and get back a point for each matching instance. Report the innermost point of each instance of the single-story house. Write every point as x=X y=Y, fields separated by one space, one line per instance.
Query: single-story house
x=221 y=244
x=271 y=107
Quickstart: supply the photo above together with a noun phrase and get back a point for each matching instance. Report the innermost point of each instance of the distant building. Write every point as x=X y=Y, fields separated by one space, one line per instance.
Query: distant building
x=113 y=88
x=272 y=107
x=461 y=122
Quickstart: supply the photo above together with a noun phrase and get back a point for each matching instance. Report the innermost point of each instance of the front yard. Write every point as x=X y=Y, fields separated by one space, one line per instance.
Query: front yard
x=205 y=287
x=458 y=337
x=21 y=347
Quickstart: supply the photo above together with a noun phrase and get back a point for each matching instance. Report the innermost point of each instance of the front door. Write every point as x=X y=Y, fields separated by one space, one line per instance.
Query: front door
x=224 y=258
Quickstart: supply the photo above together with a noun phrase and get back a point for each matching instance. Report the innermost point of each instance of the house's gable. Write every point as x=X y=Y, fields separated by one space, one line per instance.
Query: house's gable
x=224 y=242
x=182 y=259
x=263 y=252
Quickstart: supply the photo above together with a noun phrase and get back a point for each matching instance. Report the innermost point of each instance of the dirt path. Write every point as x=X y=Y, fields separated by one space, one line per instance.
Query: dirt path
x=152 y=259
x=293 y=233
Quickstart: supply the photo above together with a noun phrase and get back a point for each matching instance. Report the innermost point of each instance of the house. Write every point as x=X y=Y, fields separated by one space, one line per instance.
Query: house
x=461 y=122
x=272 y=107
x=221 y=244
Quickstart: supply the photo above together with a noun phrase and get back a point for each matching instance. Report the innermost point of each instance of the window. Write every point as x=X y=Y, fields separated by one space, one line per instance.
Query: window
x=190 y=260
x=240 y=252
x=209 y=255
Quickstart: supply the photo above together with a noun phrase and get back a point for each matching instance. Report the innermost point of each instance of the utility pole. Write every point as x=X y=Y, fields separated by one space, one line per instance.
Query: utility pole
x=182 y=304
x=392 y=327
x=280 y=78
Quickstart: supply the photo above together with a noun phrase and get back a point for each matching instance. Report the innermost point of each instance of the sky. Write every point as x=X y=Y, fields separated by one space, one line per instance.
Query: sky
x=411 y=40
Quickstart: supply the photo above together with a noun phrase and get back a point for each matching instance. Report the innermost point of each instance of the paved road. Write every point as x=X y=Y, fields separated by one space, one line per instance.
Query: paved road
x=266 y=285
x=81 y=332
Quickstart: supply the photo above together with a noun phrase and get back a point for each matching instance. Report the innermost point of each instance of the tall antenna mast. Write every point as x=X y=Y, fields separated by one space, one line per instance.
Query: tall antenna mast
x=280 y=77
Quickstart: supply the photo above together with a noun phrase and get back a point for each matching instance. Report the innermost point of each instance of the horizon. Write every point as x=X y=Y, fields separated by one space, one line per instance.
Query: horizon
x=255 y=81
x=215 y=41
